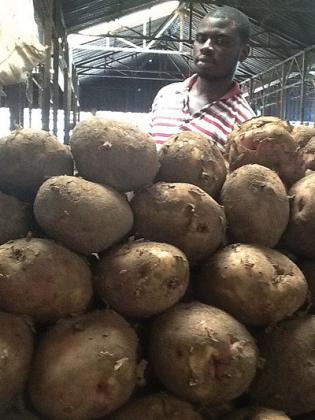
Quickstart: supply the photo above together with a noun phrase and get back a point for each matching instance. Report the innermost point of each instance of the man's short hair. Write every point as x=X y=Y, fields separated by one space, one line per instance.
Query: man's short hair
x=240 y=19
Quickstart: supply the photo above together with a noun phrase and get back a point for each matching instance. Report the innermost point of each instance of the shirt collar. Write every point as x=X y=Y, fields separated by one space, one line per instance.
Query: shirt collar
x=233 y=91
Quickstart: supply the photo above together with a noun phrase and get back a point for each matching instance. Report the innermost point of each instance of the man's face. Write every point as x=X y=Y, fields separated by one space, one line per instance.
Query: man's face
x=217 y=49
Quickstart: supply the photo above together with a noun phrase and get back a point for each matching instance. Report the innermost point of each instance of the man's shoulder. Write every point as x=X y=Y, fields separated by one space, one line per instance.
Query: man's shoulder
x=171 y=88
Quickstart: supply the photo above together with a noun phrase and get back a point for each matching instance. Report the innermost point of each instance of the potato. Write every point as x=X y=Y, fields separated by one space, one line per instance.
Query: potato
x=255 y=284
x=202 y=354
x=114 y=153
x=15 y=219
x=192 y=158
x=308 y=269
x=156 y=407
x=29 y=156
x=84 y=216
x=286 y=381
x=266 y=141
x=256 y=205
x=16 y=349
x=85 y=367
x=299 y=236
x=256 y=413
x=182 y=215
x=43 y=279
x=308 y=155
x=141 y=279
x=302 y=134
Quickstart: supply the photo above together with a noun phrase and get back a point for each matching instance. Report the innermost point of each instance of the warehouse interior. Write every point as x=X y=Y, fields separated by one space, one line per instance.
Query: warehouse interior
x=104 y=55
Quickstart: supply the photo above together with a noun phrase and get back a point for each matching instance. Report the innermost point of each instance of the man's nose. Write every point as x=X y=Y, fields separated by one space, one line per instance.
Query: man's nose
x=207 y=45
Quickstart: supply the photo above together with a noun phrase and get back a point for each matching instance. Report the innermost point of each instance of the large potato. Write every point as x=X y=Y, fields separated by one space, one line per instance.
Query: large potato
x=114 y=153
x=266 y=141
x=300 y=234
x=156 y=407
x=43 y=279
x=202 y=354
x=302 y=134
x=256 y=205
x=256 y=413
x=141 y=279
x=286 y=380
x=255 y=284
x=85 y=367
x=15 y=218
x=192 y=158
x=28 y=157
x=86 y=217
x=180 y=214
x=16 y=349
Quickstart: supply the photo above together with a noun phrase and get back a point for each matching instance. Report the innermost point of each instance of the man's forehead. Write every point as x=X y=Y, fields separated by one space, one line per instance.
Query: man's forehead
x=210 y=24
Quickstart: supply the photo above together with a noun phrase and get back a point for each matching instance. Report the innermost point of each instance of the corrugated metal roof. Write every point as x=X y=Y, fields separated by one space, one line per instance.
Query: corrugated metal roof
x=279 y=29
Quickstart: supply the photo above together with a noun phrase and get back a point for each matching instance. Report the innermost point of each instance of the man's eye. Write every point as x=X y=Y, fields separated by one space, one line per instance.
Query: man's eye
x=201 y=38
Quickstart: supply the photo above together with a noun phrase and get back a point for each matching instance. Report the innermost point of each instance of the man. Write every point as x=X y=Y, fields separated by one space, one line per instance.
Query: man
x=209 y=102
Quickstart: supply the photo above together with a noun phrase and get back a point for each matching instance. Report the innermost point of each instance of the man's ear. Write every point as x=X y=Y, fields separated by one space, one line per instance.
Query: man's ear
x=244 y=52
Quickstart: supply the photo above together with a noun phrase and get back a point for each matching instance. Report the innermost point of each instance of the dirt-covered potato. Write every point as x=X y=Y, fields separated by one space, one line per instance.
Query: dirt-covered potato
x=27 y=158
x=266 y=141
x=299 y=236
x=308 y=155
x=257 y=285
x=302 y=134
x=286 y=380
x=182 y=215
x=256 y=413
x=308 y=269
x=114 y=153
x=43 y=279
x=85 y=367
x=202 y=354
x=16 y=349
x=141 y=279
x=256 y=205
x=191 y=158
x=84 y=216
x=156 y=407
x=15 y=218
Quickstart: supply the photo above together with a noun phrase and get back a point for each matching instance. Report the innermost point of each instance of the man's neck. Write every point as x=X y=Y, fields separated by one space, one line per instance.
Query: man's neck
x=211 y=89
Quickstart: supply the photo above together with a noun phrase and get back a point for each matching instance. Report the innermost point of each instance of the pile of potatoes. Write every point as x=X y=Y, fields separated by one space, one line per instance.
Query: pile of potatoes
x=146 y=285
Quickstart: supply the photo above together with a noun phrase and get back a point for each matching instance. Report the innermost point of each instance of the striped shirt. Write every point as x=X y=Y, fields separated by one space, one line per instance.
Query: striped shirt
x=170 y=113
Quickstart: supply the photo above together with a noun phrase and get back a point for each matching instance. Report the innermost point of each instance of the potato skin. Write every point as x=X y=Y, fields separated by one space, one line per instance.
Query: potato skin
x=299 y=236
x=156 y=407
x=256 y=413
x=84 y=216
x=256 y=285
x=182 y=215
x=16 y=218
x=202 y=354
x=141 y=279
x=266 y=141
x=114 y=153
x=20 y=415
x=16 y=349
x=85 y=367
x=191 y=158
x=29 y=156
x=256 y=205
x=43 y=279
x=286 y=381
